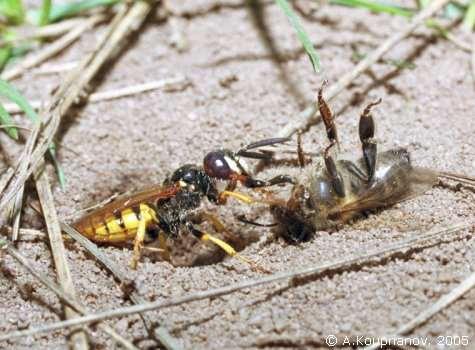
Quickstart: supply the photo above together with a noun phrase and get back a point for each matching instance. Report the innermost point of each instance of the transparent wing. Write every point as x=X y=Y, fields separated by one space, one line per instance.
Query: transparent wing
x=418 y=181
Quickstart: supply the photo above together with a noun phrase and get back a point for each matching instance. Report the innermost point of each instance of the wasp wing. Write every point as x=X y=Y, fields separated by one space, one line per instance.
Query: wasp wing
x=418 y=181
x=150 y=195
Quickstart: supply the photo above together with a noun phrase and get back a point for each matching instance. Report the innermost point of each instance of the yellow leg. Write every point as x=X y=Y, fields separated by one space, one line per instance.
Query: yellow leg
x=218 y=226
x=239 y=196
x=232 y=252
x=138 y=243
x=162 y=241
x=147 y=215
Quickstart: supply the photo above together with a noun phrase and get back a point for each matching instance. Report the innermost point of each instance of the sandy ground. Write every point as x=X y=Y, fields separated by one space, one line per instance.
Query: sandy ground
x=131 y=143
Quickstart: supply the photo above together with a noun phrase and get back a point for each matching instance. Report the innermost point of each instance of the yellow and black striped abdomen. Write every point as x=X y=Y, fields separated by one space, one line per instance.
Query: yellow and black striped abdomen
x=117 y=227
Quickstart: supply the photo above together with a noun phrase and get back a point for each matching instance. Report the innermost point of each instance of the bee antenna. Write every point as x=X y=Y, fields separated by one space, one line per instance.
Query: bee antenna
x=243 y=219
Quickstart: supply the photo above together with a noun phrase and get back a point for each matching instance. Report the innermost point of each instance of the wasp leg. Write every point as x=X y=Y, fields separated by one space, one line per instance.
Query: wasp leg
x=335 y=177
x=366 y=132
x=218 y=226
x=327 y=116
x=146 y=216
x=230 y=187
x=250 y=182
x=228 y=249
x=239 y=196
x=138 y=243
x=162 y=243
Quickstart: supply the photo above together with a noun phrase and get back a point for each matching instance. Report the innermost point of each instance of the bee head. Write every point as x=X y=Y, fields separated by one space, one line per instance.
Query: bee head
x=194 y=179
x=292 y=226
x=223 y=165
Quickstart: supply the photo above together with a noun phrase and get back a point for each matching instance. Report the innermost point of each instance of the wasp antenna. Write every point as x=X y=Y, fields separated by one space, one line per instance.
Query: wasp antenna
x=263 y=143
x=256 y=155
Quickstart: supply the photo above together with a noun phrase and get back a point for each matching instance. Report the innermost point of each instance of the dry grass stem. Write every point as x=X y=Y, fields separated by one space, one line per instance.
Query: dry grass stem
x=305 y=117
x=129 y=18
x=63 y=296
x=28 y=234
x=435 y=308
x=79 y=339
x=14 y=214
x=4 y=178
x=417 y=240
x=472 y=60
x=55 y=68
x=458 y=42
x=165 y=338
x=49 y=31
x=171 y=84
x=52 y=49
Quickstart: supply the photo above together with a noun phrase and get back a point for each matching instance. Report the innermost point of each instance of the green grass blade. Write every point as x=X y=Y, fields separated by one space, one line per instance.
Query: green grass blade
x=469 y=18
x=12 y=94
x=13 y=10
x=302 y=35
x=6 y=119
x=45 y=12
x=454 y=10
x=57 y=166
x=375 y=6
x=424 y=3
x=58 y=12
x=5 y=55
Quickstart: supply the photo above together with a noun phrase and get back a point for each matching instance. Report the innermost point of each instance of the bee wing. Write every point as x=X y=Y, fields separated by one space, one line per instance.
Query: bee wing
x=419 y=181
x=151 y=194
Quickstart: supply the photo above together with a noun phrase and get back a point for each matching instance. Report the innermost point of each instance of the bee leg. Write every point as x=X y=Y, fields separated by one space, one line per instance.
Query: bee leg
x=300 y=152
x=228 y=249
x=327 y=116
x=366 y=132
x=335 y=177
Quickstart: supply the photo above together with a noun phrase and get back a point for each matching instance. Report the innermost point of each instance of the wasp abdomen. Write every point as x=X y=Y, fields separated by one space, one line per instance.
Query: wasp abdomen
x=117 y=227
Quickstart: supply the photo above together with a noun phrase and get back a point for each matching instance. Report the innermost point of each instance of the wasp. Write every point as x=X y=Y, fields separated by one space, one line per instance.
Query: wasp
x=162 y=212
x=332 y=189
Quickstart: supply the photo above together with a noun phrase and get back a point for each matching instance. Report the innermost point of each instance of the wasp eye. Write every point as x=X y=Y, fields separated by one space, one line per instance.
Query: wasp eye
x=216 y=165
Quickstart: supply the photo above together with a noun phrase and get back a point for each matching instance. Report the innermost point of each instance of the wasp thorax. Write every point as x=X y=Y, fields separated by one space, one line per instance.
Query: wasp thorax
x=186 y=175
x=194 y=179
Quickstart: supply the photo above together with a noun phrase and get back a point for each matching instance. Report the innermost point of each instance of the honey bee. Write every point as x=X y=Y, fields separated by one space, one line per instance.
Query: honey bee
x=161 y=212
x=332 y=190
